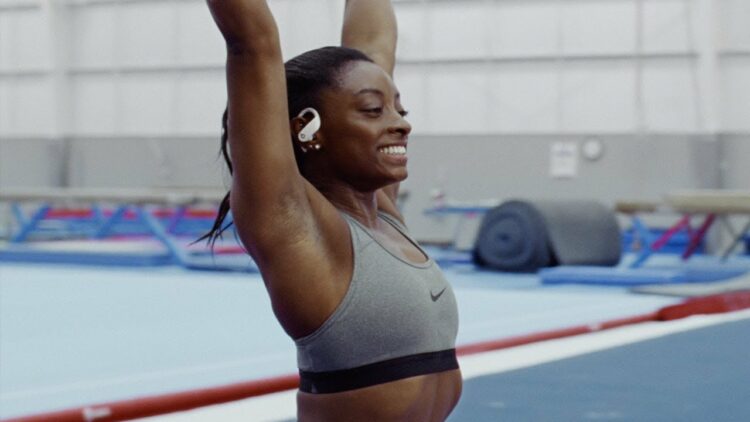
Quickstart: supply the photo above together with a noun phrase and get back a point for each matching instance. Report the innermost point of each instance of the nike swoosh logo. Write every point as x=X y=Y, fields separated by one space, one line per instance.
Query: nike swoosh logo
x=437 y=296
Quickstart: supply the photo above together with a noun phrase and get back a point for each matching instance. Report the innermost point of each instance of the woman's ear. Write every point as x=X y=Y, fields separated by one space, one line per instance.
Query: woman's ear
x=296 y=125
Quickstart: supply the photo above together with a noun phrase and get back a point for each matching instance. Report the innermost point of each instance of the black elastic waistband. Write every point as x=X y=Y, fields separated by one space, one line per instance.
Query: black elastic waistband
x=378 y=372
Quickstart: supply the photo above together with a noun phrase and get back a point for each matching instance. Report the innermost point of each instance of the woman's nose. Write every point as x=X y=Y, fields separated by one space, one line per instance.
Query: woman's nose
x=401 y=125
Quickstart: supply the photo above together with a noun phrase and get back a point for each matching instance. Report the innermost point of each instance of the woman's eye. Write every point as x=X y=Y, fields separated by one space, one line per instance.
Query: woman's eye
x=374 y=110
x=403 y=113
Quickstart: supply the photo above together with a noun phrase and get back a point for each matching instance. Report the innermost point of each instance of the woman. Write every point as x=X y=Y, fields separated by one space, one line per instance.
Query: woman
x=372 y=316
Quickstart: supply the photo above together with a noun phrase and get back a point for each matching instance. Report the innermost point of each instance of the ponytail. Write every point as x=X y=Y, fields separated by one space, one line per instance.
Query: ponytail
x=218 y=227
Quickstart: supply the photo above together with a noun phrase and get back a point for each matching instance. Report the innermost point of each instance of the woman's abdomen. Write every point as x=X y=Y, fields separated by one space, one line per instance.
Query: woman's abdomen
x=428 y=398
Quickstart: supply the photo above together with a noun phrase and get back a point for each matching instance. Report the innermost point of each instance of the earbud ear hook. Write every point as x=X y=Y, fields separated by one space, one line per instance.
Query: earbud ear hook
x=307 y=133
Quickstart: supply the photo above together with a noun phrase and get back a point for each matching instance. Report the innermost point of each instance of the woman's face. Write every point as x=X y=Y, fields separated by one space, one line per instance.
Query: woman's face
x=363 y=128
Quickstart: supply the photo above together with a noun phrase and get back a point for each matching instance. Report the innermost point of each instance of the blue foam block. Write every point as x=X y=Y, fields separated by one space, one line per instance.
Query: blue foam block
x=609 y=276
x=29 y=255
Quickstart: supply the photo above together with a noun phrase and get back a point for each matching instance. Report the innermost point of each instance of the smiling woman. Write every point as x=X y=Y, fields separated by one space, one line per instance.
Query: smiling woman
x=372 y=316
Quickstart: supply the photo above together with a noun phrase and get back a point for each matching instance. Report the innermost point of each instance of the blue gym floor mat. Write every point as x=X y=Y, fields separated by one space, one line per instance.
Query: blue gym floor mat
x=699 y=375
x=131 y=253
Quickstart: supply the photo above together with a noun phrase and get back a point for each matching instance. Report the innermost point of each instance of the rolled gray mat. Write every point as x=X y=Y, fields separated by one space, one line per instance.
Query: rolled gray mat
x=513 y=237
x=524 y=236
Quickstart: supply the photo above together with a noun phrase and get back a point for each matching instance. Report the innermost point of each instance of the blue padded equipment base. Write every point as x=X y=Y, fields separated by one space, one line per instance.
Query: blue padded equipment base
x=622 y=276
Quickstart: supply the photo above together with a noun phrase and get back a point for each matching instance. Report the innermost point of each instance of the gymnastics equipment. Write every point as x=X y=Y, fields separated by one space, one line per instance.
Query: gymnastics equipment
x=712 y=204
x=130 y=206
x=524 y=236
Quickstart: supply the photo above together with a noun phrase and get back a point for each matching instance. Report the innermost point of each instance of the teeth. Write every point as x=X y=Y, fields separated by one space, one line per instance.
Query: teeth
x=396 y=150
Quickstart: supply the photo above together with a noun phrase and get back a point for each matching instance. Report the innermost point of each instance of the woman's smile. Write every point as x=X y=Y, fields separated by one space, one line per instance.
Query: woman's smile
x=395 y=154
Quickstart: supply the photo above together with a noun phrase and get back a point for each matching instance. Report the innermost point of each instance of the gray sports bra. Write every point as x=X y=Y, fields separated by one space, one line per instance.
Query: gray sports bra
x=398 y=319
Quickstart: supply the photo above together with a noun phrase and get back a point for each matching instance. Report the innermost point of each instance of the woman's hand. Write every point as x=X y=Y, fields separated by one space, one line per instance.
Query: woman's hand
x=246 y=25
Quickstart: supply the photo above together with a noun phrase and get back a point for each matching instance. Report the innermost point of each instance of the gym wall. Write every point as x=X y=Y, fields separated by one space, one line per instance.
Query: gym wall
x=130 y=92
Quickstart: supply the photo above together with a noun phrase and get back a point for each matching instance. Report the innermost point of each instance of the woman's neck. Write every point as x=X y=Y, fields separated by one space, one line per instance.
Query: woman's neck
x=361 y=205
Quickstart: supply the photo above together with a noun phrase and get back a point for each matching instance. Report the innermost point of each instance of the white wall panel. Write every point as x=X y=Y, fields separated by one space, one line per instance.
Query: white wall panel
x=93 y=36
x=306 y=24
x=595 y=27
x=522 y=97
x=147 y=34
x=735 y=90
x=511 y=83
x=199 y=42
x=7 y=47
x=458 y=31
x=411 y=31
x=734 y=28
x=94 y=105
x=665 y=26
x=28 y=34
x=524 y=28
x=201 y=99
x=20 y=3
x=672 y=99
x=598 y=97
x=34 y=110
x=457 y=100
x=146 y=105
x=281 y=12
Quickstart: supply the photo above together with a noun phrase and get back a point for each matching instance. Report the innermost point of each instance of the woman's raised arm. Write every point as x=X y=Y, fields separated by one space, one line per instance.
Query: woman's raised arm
x=266 y=183
x=370 y=26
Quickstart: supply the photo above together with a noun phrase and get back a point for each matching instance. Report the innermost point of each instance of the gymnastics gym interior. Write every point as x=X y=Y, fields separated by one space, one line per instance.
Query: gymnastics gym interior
x=577 y=168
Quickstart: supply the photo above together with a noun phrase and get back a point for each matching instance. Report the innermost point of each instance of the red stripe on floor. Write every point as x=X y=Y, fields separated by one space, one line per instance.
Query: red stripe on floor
x=167 y=403
x=716 y=304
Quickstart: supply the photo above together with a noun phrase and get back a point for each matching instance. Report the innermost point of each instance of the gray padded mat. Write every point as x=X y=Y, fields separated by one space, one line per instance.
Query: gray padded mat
x=581 y=232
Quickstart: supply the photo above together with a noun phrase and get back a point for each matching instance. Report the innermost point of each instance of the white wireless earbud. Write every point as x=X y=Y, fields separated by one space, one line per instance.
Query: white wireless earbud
x=308 y=131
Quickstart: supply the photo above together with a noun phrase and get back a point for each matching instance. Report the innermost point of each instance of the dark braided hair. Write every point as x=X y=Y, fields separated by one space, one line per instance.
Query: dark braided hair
x=307 y=75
